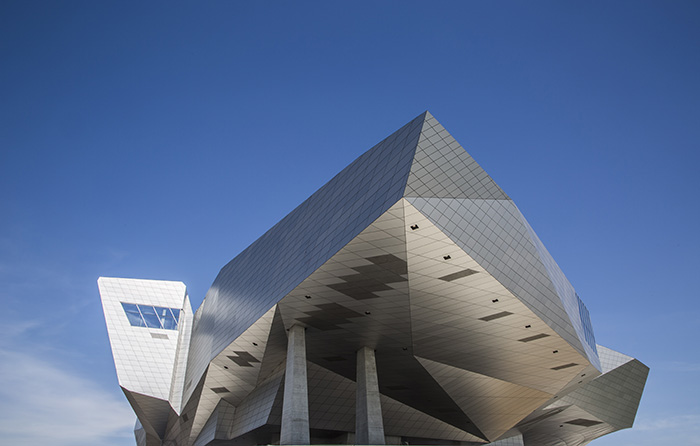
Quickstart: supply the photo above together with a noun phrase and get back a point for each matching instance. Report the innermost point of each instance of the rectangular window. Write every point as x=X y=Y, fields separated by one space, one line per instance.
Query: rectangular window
x=151 y=317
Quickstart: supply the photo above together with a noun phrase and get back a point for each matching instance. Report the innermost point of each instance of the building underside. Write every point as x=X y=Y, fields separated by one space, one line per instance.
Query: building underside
x=407 y=301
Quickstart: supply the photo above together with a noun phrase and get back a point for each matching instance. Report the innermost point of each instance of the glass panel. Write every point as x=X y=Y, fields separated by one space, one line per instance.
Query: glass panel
x=132 y=313
x=176 y=314
x=150 y=316
x=162 y=314
x=166 y=318
x=169 y=322
x=130 y=307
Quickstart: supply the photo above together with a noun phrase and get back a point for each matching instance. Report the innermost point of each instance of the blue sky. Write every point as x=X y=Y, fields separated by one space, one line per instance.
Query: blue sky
x=158 y=139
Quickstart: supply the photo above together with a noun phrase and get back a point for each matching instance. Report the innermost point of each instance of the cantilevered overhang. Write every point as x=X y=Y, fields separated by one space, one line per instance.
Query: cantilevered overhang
x=451 y=341
x=414 y=251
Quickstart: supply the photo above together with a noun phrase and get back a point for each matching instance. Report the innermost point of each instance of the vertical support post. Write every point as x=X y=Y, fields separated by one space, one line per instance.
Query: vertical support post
x=295 y=406
x=369 y=425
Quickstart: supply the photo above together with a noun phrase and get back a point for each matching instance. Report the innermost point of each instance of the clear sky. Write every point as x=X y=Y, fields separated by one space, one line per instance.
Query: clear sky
x=158 y=139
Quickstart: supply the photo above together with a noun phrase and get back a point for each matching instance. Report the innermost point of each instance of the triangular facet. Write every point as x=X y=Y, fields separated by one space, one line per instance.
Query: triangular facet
x=442 y=168
x=494 y=405
x=614 y=396
x=255 y=410
x=152 y=412
x=275 y=350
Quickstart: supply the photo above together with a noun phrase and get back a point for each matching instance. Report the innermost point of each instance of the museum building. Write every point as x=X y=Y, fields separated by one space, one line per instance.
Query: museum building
x=407 y=301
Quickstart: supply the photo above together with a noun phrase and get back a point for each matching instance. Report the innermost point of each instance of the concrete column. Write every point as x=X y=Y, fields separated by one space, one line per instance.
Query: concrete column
x=295 y=406
x=369 y=425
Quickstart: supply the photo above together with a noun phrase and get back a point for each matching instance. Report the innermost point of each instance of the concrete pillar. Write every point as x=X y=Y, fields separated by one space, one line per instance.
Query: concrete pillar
x=295 y=406
x=369 y=425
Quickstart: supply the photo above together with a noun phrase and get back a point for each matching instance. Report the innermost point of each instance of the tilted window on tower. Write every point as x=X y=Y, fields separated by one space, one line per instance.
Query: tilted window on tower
x=151 y=317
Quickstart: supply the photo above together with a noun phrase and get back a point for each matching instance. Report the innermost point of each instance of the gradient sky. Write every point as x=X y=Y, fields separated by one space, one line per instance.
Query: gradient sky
x=158 y=139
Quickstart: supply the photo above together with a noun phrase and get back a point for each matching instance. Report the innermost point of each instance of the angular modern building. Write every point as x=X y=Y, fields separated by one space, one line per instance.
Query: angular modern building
x=407 y=301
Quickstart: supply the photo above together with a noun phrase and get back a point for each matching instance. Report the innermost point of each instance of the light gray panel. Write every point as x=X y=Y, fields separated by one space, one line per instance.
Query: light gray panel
x=492 y=233
x=442 y=168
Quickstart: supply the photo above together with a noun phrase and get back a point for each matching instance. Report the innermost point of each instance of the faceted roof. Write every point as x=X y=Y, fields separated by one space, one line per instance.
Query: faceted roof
x=411 y=248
